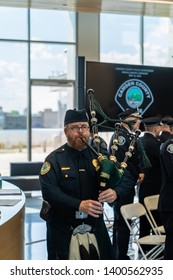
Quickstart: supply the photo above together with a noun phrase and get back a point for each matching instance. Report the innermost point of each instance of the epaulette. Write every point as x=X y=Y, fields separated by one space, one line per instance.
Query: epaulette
x=61 y=149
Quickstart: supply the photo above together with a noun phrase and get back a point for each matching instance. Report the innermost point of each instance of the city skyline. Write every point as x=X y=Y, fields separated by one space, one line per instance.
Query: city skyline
x=42 y=119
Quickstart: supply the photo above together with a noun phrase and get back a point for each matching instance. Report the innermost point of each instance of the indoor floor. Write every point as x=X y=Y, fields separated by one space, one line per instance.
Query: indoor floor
x=35 y=228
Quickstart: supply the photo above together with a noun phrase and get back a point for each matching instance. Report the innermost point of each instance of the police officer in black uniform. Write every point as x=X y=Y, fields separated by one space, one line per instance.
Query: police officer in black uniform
x=165 y=205
x=121 y=232
x=70 y=184
x=165 y=129
x=152 y=181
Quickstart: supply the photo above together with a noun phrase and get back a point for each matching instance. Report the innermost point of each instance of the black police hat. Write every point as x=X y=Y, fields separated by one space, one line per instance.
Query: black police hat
x=73 y=116
x=170 y=123
x=152 y=121
x=130 y=113
x=165 y=120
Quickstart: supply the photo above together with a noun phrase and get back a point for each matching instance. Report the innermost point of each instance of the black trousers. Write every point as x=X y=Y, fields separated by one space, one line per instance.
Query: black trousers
x=121 y=233
x=58 y=240
x=167 y=220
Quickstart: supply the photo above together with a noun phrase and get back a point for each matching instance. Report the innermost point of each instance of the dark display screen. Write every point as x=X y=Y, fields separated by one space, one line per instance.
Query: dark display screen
x=120 y=86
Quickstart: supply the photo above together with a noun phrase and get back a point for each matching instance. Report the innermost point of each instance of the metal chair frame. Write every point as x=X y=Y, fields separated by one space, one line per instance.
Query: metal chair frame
x=133 y=211
x=109 y=222
x=151 y=204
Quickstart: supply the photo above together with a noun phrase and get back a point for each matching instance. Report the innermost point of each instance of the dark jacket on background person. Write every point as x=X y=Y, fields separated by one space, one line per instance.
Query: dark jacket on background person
x=165 y=205
x=151 y=184
x=165 y=135
x=121 y=232
x=166 y=192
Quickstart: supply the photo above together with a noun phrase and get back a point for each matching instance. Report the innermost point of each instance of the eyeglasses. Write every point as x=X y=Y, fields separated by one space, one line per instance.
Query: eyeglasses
x=76 y=128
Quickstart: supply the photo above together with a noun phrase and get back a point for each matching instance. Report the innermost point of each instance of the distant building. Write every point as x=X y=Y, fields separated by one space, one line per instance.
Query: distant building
x=43 y=119
x=2 y=118
x=50 y=118
x=15 y=121
x=37 y=120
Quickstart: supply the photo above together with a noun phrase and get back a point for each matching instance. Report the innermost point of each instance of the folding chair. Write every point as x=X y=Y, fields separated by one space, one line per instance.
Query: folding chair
x=132 y=212
x=151 y=204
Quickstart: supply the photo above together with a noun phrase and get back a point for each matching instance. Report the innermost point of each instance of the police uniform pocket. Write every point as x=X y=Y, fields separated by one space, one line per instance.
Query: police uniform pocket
x=67 y=173
x=69 y=179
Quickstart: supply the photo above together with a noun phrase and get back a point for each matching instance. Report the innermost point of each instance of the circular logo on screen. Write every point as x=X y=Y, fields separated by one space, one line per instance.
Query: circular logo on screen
x=134 y=93
x=134 y=97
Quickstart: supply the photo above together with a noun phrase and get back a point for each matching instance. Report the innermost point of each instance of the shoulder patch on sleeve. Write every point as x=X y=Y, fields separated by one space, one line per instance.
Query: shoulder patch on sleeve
x=45 y=168
x=170 y=148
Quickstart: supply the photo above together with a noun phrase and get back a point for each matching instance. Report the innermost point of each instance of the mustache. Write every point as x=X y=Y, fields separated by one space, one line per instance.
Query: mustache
x=83 y=139
x=89 y=146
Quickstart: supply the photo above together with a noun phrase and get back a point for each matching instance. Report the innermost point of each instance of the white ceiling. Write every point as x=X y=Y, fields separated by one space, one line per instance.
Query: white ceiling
x=135 y=7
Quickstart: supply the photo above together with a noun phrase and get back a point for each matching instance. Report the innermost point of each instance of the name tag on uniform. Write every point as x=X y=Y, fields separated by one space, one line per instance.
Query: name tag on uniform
x=81 y=215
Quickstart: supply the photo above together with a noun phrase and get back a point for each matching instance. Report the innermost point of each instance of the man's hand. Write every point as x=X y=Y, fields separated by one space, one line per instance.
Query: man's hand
x=109 y=196
x=91 y=207
x=141 y=178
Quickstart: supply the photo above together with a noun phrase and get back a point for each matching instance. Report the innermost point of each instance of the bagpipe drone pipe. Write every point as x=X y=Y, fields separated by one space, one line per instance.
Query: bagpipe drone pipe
x=110 y=170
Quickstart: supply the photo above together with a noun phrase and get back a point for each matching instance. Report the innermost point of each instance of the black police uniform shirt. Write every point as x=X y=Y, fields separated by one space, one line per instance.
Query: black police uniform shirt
x=134 y=164
x=61 y=185
x=166 y=160
x=152 y=182
x=165 y=135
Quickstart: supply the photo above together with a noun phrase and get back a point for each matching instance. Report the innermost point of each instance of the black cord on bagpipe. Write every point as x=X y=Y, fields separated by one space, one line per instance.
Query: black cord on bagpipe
x=118 y=128
x=94 y=107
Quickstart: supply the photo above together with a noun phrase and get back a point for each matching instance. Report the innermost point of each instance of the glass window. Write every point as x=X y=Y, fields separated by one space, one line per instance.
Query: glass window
x=158 y=41
x=52 y=58
x=13 y=76
x=50 y=61
x=47 y=99
x=119 y=38
x=13 y=104
x=13 y=23
x=51 y=25
x=49 y=104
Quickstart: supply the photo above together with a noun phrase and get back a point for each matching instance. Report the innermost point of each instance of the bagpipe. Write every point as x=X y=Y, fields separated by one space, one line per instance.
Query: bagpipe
x=83 y=243
x=110 y=170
